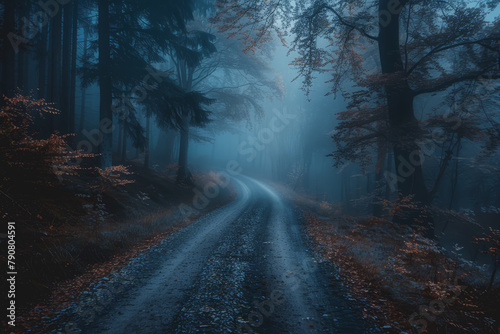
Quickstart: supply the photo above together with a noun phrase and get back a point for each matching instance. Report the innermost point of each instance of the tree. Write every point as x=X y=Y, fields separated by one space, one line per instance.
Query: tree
x=187 y=56
x=8 y=49
x=55 y=56
x=491 y=243
x=236 y=81
x=105 y=84
x=28 y=164
x=413 y=40
x=66 y=89
x=176 y=107
x=131 y=36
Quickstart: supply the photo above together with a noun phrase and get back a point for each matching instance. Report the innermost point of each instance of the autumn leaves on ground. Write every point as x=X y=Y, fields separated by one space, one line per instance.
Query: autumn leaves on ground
x=410 y=283
x=75 y=222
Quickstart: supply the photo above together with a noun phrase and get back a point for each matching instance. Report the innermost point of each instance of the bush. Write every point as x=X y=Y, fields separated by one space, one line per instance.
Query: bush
x=26 y=161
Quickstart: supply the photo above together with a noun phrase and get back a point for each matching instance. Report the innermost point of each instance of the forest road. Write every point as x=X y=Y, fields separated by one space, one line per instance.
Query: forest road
x=243 y=268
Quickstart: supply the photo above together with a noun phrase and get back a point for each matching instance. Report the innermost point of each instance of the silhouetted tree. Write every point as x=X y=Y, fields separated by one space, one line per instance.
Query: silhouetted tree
x=412 y=41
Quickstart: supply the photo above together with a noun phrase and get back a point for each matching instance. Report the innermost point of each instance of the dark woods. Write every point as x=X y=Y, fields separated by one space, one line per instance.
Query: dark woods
x=379 y=119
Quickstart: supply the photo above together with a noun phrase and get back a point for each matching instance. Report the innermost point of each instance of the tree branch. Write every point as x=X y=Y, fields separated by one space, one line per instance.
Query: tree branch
x=447 y=47
x=362 y=31
x=448 y=83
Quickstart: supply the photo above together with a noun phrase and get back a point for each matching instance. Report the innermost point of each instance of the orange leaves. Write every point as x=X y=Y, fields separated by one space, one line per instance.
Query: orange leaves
x=27 y=159
x=251 y=23
x=491 y=240
x=112 y=177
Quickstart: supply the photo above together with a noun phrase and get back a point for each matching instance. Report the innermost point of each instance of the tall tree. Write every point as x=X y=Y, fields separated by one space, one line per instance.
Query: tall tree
x=105 y=85
x=54 y=93
x=65 y=107
x=8 y=49
x=41 y=55
x=132 y=35
x=412 y=39
x=187 y=55
x=86 y=32
x=214 y=65
x=74 y=53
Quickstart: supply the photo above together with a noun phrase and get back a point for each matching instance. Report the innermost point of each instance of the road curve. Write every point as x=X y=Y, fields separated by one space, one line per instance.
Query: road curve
x=243 y=268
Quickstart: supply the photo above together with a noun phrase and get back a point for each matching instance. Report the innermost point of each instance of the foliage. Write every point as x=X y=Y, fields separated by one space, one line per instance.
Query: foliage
x=26 y=159
x=389 y=58
x=169 y=99
x=398 y=272
x=491 y=241
x=112 y=177
x=144 y=33
x=253 y=23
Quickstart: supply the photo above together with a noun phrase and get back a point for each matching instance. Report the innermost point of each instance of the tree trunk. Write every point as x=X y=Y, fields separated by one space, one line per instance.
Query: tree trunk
x=55 y=60
x=454 y=178
x=169 y=140
x=124 y=141
x=400 y=107
x=388 y=168
x=183 y=174
x=379 y=178
x=24 y=8
x=74 y=50
x=55 y=69
x=148 y=134
x=66 y=66
x=42 y=63
x=26 y=77
x=85 y=55
x=8 y=59
x=21 y=57
x=105 y=86
x=404 y=126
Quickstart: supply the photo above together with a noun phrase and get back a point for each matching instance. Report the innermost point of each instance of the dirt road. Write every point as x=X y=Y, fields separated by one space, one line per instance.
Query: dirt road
x=244 y=267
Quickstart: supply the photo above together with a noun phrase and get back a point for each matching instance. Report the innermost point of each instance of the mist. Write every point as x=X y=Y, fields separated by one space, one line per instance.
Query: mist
x=257 y=166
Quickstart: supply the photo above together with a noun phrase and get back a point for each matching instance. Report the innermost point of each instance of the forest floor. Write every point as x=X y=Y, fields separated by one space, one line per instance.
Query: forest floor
x=81 y=235
x=410 y=284
x=246 y=267
x=264 y=261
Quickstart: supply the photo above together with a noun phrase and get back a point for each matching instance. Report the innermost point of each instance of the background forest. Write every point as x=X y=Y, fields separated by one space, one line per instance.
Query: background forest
x=114 y=113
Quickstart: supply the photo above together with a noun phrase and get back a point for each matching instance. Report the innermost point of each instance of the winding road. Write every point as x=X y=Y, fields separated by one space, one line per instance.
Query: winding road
x=244 y=268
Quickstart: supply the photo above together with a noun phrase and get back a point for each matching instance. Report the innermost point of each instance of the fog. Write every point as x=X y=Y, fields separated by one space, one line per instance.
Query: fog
x=256 y=154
